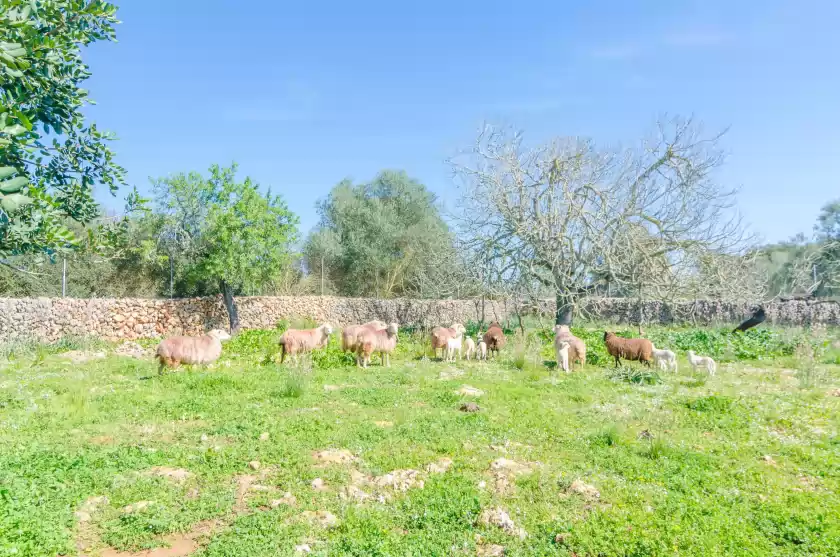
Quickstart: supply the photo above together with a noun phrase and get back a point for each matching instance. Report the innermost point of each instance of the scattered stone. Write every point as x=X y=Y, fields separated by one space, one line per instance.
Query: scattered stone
x=287 y=499
x=319 y=485
x=324 y=519
x=768 y=460
x=136 y=507
x=82 y=516
x=334 y=456
x=254 y=465
x=835 y=392
x=204 y=438
x=586 y=490
x=510 y=466
x=176 y=474
x=400 y=480
x=92 y=504
x=466 y=390
x=330 y=388
x=303 y=548
x=482 y=485
x=491 y=550
x=440 y=466
x=355 y=493
x=500 y=518
x=469 y=407
x=264 y=436
x=263 y=488
x=384 y=424
x=562 y=538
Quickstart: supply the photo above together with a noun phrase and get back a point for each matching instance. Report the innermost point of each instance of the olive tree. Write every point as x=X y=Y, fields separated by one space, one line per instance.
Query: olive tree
x=575 y=217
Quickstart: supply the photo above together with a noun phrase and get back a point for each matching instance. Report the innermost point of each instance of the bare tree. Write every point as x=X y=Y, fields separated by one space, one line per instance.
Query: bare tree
x=575 y=218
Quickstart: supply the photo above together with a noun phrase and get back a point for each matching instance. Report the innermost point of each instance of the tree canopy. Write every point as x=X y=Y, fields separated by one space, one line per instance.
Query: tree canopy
x=227 y=235
x=381 y=238
x=51 y=159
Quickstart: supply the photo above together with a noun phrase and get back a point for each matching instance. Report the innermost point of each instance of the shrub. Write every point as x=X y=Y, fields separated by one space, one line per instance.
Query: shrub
x=294 y=385
x=635 y=375
x=712 y=403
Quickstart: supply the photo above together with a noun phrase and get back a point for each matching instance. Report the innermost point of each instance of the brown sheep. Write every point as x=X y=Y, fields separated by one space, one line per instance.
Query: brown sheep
x=441 y=336
x=302 y=341
x=351 y=332
x=369 y=341
x=494 y=338
x=640 y=349
x=577 y=348
x=205 y=349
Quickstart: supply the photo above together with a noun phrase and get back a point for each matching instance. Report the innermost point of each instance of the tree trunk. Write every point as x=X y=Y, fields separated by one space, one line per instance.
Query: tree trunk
x=230 y=304
x=565 y=310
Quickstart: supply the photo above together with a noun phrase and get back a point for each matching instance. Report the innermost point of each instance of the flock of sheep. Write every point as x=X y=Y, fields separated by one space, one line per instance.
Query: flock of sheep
x=379 y=337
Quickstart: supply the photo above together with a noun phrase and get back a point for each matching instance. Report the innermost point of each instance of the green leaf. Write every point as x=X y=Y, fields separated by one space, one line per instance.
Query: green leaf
x=13 y=185
x=24 y=120
x=17 y=129
x=6 y=171
x=14 y=201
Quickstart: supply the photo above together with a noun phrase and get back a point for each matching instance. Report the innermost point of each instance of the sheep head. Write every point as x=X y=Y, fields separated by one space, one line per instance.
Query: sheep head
x=393 y=328
x=219 y=335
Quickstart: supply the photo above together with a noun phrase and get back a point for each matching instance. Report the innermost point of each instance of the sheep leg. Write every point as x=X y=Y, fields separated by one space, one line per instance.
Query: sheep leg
x=617 y=361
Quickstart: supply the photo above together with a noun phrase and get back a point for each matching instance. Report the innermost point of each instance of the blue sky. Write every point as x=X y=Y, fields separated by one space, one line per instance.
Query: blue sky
x=303 y=94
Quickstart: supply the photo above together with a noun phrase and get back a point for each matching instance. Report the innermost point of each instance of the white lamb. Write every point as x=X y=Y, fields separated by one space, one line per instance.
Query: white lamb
x=701 y=361
x=453 y=345
x=665 y=359
x=561 y=351
x=481 y=350
x=469 y=348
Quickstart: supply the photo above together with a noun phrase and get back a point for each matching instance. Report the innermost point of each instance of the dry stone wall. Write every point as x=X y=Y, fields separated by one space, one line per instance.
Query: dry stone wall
x=52 y=318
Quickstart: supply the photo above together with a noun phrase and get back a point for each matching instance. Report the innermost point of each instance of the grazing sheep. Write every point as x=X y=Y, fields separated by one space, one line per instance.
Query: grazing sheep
x=481 y=350
x=561 y=351
x=453 y=345
x=302 y=341
x=469 y=348
x=665 y=359
x=577 y=348
x=205 y=349
x=494 y=338
x=440 y=336
x=350 y=333
x=370 y=341
x=701 y=361
x=640 y=349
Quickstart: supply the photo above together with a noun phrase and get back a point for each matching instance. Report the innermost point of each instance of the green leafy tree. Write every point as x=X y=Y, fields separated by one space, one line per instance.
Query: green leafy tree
x=380 y=238
x=228 y=236
x=50 y=158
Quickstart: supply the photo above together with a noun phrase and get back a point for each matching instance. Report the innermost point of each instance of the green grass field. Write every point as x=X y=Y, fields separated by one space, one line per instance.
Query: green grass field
x=104 y=457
